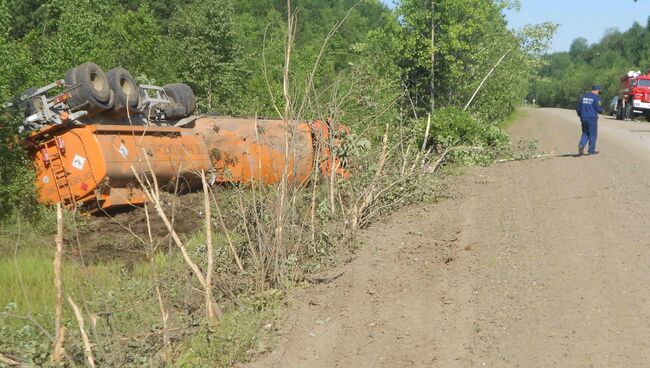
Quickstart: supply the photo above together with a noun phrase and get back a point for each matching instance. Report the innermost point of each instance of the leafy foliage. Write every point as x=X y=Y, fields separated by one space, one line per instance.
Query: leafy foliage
x=210 y=60
x=453 y=127
x=469 y=38
x=16 y=172
x=28 y=341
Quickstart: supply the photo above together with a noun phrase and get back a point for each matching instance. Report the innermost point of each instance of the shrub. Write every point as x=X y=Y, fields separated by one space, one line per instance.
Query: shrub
x=451 y=126
x=474 y=141
x=17 y=175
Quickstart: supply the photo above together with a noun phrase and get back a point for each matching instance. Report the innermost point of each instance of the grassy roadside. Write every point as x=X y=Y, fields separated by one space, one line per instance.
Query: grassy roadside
x=144 y=306
x=119 y=300
x=518 y=115
x=121 y=308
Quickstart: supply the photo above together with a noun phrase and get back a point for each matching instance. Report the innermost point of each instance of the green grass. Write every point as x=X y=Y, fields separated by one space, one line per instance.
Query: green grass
x=127 y=292
x=29 y=285
x=241 y=334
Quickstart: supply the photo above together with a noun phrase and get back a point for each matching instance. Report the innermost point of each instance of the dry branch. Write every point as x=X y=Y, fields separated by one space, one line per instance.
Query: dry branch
x=486 y=77
x=445 y=153
x=164 y=315
x=165 y=325
x=57 y=354
x=528 y=158
x=426 y=133
x=369 y=194
x=213 y=310
x=209 y=304
x=291 y=34
x=8 y=361
x=161 y=213
x=80 y=320
x=240 y=265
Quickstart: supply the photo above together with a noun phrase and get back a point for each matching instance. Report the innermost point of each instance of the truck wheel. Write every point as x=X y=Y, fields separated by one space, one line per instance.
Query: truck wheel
x=124 y=88
x=182 y=94
x=71 y=77
x=93 y=93
x=174 y=111
x=619 y=112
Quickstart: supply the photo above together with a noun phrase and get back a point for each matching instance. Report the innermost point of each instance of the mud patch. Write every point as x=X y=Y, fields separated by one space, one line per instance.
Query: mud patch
x=124 y=235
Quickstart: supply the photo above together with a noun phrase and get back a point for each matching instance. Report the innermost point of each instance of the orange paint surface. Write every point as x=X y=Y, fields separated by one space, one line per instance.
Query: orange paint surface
x=95 y=166
x=245 y=150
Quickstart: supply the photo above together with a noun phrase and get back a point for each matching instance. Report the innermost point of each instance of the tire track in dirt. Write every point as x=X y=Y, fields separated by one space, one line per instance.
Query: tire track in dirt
x=539 y=263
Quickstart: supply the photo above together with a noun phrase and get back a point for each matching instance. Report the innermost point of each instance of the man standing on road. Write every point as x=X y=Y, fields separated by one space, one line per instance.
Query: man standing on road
x=588 y=109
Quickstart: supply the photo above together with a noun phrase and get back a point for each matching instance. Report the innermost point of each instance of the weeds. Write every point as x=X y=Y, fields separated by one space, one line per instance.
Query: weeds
x=242 y=334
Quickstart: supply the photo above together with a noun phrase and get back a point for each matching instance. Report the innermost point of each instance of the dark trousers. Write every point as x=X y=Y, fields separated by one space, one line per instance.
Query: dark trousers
x=589 y=133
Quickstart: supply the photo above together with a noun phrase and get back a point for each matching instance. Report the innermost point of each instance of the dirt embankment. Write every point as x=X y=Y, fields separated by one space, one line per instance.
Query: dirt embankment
x=539 y=263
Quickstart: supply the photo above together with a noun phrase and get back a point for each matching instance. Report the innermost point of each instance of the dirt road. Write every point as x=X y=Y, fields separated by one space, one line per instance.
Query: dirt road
x=539 y=263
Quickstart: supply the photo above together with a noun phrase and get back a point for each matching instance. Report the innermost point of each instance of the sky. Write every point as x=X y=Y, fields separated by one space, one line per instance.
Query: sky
x=577 y=18
x=580 y=18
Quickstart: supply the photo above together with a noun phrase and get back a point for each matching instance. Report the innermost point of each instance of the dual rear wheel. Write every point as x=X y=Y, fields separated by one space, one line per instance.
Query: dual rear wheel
x=97 y=92
x=93 y=92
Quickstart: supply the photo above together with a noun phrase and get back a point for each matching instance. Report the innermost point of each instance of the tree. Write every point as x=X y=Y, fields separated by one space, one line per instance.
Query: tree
x=16 y=172
x=471 y=37
x=208 y=52
x=578 y=47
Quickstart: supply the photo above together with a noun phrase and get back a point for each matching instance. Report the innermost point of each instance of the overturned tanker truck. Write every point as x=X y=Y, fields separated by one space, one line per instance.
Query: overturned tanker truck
x=89 y=137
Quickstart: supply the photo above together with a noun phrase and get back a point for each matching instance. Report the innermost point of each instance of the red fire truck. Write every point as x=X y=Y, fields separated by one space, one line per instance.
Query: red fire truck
x=634 y=96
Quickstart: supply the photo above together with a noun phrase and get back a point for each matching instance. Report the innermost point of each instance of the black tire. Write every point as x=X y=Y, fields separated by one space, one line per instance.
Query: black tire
x=182 y=94
x=174 y=111
x=92 y=93
x=125 y=90
x=70 y=77
x=619 y=112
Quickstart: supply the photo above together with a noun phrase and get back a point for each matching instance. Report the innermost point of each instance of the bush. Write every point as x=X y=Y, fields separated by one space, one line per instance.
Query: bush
x=451 y=127
x=475 y=141
x=16 y=173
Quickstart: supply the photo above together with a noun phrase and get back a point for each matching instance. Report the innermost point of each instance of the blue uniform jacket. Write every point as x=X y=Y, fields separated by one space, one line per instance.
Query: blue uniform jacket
x=589 y=107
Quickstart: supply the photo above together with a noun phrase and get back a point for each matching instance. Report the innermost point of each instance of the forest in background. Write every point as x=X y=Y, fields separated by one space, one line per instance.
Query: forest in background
x=385 y=73
x=566 y=75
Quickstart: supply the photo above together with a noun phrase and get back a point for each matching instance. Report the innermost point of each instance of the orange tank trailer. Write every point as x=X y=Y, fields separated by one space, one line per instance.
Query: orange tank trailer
x=243 y=150
x=91 y=165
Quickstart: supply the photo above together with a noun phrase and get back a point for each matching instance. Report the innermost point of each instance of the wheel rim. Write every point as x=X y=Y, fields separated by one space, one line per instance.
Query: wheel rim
x=127 y=87
x=38 y=105
x=97 y=82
